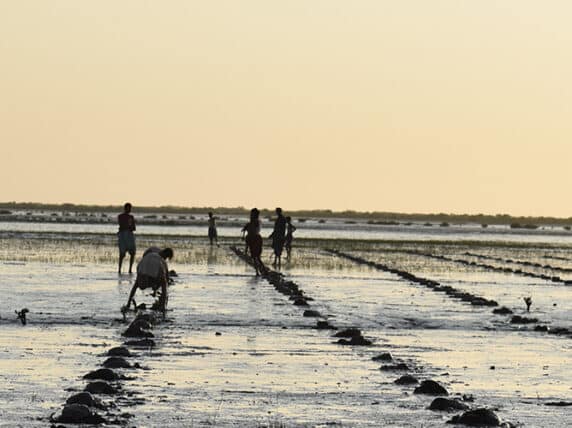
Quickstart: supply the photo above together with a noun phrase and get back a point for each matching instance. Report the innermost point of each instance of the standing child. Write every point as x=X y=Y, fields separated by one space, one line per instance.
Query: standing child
x=212 y=229
x=278 y=236
x=254 y=240
x=125 y=236
x=290 y=229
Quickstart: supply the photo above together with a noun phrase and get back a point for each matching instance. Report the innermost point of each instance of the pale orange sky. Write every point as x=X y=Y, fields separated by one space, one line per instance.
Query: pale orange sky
x=411 y=106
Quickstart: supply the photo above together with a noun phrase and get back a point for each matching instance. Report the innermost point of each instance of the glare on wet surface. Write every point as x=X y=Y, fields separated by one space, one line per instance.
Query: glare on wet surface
x=234 y=352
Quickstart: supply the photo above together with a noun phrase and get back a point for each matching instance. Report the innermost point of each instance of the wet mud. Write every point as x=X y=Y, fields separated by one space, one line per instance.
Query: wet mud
x=235 y=350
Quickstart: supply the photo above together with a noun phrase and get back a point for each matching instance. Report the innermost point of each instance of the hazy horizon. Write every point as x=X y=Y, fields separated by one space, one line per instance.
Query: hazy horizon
x=118 y=206
x=409 y=107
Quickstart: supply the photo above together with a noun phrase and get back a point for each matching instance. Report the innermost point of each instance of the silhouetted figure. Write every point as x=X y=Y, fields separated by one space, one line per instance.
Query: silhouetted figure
x=254 y=240
x=158 y=251
x=126 y=237
x=278 y=236
x=153 y=272
x=243 y=236
x=212 y=229
x=290 y=229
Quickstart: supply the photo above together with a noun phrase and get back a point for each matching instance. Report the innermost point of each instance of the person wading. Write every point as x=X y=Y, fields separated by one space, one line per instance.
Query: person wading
x=126 y=236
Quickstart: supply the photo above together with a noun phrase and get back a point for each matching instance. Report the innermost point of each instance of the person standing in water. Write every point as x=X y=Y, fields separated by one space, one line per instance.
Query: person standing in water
x=254 y=240
x=290 y=229
x=126 y=237
x=278 y=236
x=212 y=229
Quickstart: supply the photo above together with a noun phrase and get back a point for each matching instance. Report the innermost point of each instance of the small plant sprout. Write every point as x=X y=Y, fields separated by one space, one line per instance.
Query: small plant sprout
x=528 y=301
x=22 y=315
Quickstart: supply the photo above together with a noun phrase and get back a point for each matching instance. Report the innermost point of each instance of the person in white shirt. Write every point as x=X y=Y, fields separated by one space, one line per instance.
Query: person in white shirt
x=153 y=272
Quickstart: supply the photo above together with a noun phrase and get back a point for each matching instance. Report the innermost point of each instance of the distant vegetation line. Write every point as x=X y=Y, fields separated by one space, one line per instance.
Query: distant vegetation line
x=372 y=216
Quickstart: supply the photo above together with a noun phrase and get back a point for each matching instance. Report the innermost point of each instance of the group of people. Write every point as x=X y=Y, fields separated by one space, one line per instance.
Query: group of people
x=153 y=271
x=282 y=236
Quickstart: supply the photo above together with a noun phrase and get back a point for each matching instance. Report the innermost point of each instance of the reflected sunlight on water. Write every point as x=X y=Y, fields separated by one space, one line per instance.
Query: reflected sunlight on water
x=235 y=352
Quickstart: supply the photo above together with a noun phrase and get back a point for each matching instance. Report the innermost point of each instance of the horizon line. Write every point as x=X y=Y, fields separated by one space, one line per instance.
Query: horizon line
x=328 y=211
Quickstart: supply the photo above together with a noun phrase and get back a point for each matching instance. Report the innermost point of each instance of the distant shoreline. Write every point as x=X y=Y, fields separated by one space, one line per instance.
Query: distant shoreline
x=374 y=217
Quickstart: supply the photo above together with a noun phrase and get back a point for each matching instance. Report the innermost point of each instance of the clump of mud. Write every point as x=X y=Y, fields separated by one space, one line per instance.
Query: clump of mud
x=477 y=418
x=78 y=414
x=430 y=387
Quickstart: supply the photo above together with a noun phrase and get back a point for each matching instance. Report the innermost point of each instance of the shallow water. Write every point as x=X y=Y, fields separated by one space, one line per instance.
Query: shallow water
x=268 y=366
x=332 y=229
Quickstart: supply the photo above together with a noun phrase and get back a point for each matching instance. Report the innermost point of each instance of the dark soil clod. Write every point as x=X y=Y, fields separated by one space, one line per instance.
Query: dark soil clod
x=503 y=310
x=447 y=404
x=386 y=356
x=119 y=351
x=79 y=414
x=84 y=398
x=477 y=418
x=117 y=363
x=101 y=387
x=430 y=387
x=406 y=380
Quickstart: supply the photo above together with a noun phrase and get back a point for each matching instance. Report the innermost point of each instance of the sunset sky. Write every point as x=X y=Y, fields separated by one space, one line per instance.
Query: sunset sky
x=411 y=106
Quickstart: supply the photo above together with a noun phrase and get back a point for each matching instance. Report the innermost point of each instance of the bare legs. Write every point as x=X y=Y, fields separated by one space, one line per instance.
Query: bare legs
x=131 y=295
x=258 y=265
x=131 y=260
x=277 y=261
x=160 y=303
x=121 y=257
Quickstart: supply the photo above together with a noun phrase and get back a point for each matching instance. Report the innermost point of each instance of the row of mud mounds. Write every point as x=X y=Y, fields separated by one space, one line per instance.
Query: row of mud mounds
x=101 y=400
x=492 y=268
x=429 y=283
x=354 y=337
x=454 y=293
x=523 y=263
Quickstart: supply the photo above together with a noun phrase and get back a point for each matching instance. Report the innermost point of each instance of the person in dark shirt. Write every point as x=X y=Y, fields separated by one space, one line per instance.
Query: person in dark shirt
x=126 y=237
x=212 y=229
x=278 y=236
x=254 y=240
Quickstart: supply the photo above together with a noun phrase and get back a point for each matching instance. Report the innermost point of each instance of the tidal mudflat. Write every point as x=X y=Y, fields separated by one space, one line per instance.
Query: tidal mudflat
x=234 y=350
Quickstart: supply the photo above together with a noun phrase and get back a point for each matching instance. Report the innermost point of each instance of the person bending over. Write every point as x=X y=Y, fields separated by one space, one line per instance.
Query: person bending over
x=153 y=273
